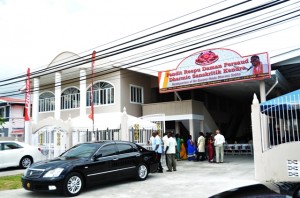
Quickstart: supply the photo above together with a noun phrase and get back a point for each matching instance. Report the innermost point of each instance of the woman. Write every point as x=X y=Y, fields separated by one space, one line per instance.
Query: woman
x=191 y=148
x=177 y=146
x=210 y=148
x=182 y=150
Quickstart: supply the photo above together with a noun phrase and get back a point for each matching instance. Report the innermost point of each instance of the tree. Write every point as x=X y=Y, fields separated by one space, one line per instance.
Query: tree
x=1 y=121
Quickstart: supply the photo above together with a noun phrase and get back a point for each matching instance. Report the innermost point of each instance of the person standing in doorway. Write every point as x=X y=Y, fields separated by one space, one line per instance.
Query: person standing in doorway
x=178 y=146
x=201 y=146
x=219 y=146
x=171 y=152
x=210 y=148
x=191 y=148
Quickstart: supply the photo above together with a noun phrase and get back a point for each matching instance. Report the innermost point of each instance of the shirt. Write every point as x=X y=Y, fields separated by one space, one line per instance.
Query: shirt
x=219 y=139
x=171 y=143
x=157 y=141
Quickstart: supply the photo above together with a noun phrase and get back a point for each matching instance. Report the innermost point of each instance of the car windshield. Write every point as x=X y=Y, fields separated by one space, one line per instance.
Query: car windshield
x=82 y=150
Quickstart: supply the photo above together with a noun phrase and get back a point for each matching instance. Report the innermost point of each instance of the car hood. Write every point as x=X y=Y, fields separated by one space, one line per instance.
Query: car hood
x=59 y=162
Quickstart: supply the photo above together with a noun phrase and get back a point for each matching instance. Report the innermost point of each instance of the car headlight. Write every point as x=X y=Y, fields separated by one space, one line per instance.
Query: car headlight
x=54 y=173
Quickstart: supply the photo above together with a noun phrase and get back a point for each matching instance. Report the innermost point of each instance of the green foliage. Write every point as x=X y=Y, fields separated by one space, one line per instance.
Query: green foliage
x=1 y=121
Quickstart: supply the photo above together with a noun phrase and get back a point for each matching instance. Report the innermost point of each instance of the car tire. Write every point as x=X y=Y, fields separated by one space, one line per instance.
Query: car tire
x=73 y=184
x=142 y=172
x=26 y=161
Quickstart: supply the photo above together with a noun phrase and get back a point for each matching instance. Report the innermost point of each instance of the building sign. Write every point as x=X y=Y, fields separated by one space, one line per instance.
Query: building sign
x=214 y=67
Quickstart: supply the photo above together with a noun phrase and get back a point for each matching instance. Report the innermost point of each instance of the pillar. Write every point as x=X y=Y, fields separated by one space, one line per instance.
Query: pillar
x=82 y=92
x=57 y=95
x=35 y=101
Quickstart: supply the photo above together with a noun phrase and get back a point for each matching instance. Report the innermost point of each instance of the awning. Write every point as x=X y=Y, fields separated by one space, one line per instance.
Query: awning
x=17 y=132
x=289 y=103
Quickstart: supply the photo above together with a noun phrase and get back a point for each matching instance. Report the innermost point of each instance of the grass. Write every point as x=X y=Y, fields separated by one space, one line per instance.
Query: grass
x=10 y=182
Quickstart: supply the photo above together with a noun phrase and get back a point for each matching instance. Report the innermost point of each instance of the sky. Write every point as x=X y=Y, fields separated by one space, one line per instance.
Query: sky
x=34 y=32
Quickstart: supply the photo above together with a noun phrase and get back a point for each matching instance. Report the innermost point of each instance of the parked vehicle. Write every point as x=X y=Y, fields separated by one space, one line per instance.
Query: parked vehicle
x=89 y=164
x=282 y=189
x=14 y=153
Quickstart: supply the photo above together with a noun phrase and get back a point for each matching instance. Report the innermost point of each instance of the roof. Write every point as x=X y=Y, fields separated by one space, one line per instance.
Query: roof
x=12 y=100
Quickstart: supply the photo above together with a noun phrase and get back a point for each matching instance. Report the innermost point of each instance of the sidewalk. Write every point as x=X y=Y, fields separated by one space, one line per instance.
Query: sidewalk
x=192 y=179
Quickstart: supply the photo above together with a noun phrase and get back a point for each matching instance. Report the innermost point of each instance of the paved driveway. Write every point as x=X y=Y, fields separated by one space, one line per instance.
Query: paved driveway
x=192 y=179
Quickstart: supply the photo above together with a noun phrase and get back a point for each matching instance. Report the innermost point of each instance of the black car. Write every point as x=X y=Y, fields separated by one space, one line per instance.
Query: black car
x=89 y=164
x=265 y=190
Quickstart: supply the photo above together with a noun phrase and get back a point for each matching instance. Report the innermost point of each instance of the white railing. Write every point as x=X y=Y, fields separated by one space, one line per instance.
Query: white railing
x=280 y=119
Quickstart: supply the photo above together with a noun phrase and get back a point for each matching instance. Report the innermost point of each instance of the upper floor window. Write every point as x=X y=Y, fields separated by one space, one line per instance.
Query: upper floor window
x=70 y=98
x=103 y=94
x=2 y=112
x=136 y=94
x=46 y=102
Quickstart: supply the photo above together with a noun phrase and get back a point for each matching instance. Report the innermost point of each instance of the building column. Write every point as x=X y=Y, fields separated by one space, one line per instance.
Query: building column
x=202 y=126
x=177 y=127
x=57 y=95
x=82 y=92
x=192 y=130
x=35 y=101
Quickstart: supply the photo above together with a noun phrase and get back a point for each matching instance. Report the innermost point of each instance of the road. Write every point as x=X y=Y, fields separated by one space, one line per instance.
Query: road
x=192 y=179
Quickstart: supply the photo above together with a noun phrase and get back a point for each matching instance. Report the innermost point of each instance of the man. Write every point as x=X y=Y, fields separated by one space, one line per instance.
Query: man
x=201 y=147
x=219 y=146
x=165 y=139
x=171 y=152
x=156 y=146
x=257 y=65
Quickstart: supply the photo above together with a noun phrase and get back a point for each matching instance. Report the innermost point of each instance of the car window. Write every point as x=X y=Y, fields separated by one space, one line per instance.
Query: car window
x=83 y=150
x=11 y=145
x=107 y=150
x=125 y=148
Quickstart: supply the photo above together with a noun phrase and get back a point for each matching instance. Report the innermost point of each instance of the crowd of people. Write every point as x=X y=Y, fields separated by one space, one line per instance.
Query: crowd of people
x=210 y=148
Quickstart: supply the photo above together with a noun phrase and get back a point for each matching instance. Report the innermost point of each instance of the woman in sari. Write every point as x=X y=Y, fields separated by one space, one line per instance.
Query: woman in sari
x=210 y=148
x=191 y=148
x=178 y=146
x=182 y=150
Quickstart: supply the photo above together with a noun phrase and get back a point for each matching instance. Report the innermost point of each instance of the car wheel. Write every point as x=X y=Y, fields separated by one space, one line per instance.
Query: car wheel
x=26 y=161
x=73 y=185
x=142 y=172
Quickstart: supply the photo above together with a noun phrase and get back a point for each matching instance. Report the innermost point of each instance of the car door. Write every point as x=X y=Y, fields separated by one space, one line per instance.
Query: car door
x=128 y=159
x=10 y=154
x=100 y=169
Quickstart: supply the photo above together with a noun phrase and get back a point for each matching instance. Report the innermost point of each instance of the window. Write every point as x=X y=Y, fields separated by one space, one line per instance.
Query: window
x=108 y=150
x=46 y=102
x=136 y=94
x=70 y=98
x=125 y=148
x=2 y=112
x=103 y=94
x=10 y=145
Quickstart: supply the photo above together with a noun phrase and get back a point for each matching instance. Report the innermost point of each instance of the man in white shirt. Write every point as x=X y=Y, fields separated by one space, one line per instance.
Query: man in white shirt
x=219 y=146
x=171 y=146
x=157 y=147
x=165 y=139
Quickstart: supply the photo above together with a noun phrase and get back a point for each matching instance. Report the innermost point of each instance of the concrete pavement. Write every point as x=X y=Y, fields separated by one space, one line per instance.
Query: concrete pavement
x=192 y=179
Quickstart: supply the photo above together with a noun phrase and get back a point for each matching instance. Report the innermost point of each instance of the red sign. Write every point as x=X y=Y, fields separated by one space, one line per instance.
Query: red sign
x=27 y=97
x=214 y=67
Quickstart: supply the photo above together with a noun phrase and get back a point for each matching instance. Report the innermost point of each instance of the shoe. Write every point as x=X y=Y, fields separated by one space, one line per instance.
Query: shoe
x=169 y=171
x=174 y=170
